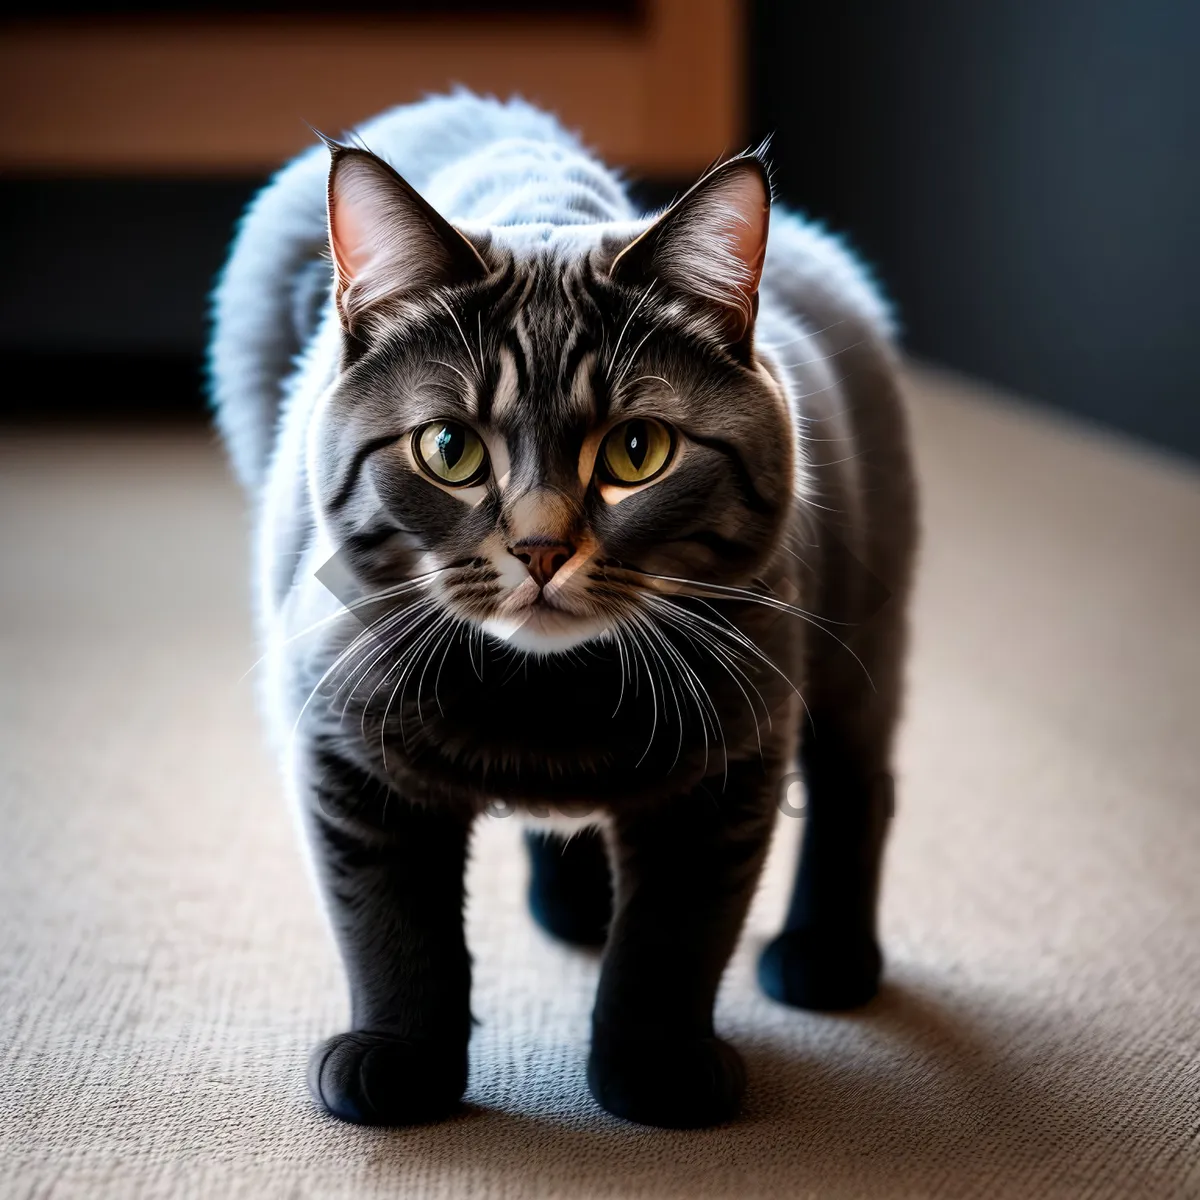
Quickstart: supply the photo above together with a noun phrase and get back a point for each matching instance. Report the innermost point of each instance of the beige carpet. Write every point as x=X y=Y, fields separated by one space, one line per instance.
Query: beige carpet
x=163 y=970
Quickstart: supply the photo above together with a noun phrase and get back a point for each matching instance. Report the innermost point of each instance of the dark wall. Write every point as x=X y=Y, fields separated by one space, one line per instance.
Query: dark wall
x=120 y=266
x=104 y=294
x=105 y=290
x=1024 y=175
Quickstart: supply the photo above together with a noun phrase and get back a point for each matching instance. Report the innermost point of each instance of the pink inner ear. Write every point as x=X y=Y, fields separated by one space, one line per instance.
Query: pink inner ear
x=349 y=240
x=748 y=236
x=353 y=224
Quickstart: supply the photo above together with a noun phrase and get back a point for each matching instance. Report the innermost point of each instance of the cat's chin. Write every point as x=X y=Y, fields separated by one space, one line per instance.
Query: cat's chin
x=545 y=631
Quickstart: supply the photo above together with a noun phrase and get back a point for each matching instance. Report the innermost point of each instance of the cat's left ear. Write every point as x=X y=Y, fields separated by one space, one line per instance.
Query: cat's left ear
x=710 y=245
x=386 y=240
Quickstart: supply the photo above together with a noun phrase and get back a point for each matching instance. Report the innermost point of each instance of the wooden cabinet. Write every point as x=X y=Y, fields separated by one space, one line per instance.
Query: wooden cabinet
x=655 y=87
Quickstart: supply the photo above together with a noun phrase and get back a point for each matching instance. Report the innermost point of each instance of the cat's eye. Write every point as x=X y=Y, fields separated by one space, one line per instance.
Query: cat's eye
x=636 y=451
x=452 y=453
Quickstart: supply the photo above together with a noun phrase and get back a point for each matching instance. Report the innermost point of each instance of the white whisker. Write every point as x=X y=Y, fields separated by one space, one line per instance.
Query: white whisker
x=807 y=334
x=727 y=663
x=356 y=643
x=809 y=362
x=632 y=356
x=418 y=619
x=437 y=679
x=452 y=367
x=653 y=378
x=409 y=661
x=470 y=353
x=732 y=631
x=449 y=628
x=726 y=592
x=700 y=695
x=620 y=337
x=636 y=643
x=387 y=593
x=415 y=613
x=651 y=629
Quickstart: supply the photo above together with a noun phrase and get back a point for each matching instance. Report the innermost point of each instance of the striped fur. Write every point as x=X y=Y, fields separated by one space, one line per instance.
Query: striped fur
x=702 y=630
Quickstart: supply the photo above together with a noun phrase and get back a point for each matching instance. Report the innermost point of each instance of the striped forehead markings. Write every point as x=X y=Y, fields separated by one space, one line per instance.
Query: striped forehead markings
x=583 y=392
x=516 y=354
x=507 y=392
x=546 y=342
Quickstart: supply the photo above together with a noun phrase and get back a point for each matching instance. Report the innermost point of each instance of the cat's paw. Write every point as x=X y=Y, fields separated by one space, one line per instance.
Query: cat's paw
x=827 y=972
x=688 y=1083
x=371 y=1078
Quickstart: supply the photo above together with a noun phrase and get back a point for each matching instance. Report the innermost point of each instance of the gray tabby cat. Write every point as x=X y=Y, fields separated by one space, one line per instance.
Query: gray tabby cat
x=600 y=497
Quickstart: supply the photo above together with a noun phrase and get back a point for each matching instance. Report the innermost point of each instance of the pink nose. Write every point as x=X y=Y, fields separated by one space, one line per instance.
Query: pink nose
x=542 y=558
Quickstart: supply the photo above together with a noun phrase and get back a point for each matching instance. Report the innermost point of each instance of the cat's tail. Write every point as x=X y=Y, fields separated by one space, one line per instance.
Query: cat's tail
x=265 y=307
x=268 y=301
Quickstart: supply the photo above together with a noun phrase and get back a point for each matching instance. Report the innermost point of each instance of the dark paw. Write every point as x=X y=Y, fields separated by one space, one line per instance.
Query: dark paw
x=684 y=1084
x=826 y=972
x=570 y=890
x=377 y=1079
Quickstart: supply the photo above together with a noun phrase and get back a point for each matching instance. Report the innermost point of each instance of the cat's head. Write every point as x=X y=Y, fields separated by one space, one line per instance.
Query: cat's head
x=549 y=425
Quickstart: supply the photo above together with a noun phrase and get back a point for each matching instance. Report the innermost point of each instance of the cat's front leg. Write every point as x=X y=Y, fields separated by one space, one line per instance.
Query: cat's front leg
x=392 y=877
x=685 y=873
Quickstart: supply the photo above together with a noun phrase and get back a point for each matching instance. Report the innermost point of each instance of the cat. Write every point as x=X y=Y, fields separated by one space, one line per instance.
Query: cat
x=606 y=516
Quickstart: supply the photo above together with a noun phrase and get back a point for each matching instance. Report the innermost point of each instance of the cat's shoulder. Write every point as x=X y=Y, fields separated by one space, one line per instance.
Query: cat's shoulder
x=807 y=263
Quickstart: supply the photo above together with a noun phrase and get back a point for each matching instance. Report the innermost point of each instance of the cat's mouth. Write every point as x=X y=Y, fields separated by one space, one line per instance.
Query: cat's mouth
x=529 y=597
x=544 y=603
x=539 y=620
x=530 y=600
x=505 y=601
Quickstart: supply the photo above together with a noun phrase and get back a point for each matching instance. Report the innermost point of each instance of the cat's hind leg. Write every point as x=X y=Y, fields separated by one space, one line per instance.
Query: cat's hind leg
x=570 y=885
x=828 y=954
x=827 y=957
x=861 y=555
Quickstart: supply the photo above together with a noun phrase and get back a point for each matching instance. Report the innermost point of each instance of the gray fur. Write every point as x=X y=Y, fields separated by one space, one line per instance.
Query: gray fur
x=765 y=569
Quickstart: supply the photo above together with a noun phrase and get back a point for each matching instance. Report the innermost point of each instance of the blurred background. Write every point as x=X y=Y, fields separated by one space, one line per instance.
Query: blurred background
x=1022 y=174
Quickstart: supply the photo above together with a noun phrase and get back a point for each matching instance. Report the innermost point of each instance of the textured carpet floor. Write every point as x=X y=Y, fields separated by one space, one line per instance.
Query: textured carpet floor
x=163 y=969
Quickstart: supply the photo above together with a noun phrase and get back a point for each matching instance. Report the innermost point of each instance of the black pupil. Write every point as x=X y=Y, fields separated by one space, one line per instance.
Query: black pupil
x=451 y=444
x=637 y=443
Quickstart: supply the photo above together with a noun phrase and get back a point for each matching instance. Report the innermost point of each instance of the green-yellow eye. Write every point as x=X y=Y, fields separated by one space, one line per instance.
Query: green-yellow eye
x=636 y=451
x=451 y=452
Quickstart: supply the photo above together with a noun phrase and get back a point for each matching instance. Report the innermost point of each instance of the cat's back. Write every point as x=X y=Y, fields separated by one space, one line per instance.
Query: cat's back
x=462 y=151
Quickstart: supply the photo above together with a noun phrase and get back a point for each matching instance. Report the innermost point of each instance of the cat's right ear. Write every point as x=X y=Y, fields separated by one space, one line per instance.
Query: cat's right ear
x=387 y=241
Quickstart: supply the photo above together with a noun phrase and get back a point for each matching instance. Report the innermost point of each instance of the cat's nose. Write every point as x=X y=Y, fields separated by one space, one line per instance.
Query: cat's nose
x=543 y=558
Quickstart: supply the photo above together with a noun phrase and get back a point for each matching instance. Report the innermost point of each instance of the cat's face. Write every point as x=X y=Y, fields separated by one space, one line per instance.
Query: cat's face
x=551 y=434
